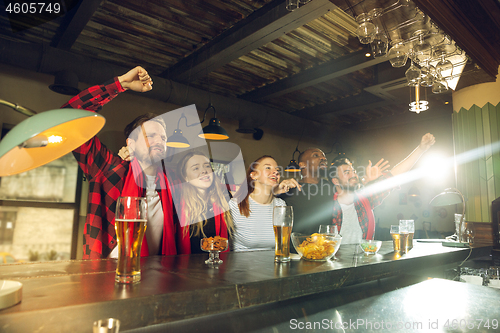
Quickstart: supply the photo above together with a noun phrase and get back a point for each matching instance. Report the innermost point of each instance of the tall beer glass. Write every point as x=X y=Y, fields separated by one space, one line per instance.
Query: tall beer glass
x=403 y=235
x=282 y=223
x=411 y=232
x=130 y=226
x=395 y=238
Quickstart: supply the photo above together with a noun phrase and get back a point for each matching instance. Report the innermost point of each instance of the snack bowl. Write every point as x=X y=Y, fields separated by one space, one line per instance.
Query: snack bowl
x=213 y=245
x=370 y=246
x=316 y=247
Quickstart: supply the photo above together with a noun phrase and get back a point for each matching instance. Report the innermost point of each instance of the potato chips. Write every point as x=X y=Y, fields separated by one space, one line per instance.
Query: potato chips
x=317 y=247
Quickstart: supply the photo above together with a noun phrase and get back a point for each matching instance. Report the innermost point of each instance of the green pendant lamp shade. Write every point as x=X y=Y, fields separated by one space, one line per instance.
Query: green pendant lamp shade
x=213 y=131
x=45 y=137
x=177 y=140
x=293 y=166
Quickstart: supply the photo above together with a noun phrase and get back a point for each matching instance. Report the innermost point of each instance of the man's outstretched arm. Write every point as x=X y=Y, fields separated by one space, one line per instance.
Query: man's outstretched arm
x=92 y=156
x=405 y=165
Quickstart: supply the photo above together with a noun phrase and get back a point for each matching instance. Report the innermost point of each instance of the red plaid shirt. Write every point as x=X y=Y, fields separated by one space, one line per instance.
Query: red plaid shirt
x=106 y=173
x=364 y=205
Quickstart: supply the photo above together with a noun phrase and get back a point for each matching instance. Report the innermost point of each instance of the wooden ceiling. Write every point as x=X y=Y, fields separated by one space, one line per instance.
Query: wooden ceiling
x=308 y=62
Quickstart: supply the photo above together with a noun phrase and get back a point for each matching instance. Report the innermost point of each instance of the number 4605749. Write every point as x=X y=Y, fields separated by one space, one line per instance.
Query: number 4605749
x=33 y=8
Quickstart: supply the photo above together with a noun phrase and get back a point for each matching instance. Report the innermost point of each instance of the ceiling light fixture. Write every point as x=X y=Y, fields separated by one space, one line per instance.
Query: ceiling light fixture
x=417 y=105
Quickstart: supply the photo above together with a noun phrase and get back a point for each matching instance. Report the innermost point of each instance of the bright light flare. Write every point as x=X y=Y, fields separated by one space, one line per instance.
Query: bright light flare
x=449 y=164
x=436 y=167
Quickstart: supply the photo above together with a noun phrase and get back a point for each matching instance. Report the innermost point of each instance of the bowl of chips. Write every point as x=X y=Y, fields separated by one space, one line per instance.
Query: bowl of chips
x=316 y=247
x=370 y=246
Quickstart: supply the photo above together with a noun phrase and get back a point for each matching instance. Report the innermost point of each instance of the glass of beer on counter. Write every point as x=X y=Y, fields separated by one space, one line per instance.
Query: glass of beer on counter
x=395 y=238
x=130 y=226
x=411 y=232
x=282 y=223
x=328 y=229
x=403 y=235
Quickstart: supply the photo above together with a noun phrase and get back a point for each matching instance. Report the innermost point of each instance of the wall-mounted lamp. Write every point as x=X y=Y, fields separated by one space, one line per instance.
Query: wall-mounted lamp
x=414 y=192
x=177 y=140
x=293 y=166
x=245 y=126
x=452 y=196
x=45 y=137
x=66 y=83
x=36 y=141
x=213 y=131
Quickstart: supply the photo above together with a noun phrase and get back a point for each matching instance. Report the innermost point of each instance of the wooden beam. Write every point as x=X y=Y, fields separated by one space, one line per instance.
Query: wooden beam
x=74 y=23
x=342 y=106
x=260 y=28
x=377 y=95
x=402 y=119
x=328 y=71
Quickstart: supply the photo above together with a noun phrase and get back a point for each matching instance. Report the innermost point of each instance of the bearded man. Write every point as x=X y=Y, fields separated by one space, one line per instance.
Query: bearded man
x=353 y=209
x=111 y=177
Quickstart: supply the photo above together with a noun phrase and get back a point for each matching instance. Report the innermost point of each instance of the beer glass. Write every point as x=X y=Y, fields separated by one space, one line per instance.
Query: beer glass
x=458 y=232
x=403 y=235
x=411 y=232
x=282 y=223
x=395 y=238
x=329 y=229
x=130 y=226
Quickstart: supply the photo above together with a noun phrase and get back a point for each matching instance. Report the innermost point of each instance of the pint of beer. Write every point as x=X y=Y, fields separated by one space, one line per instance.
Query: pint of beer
x=282 y=223
x=404 y=235
x=130 y=226
x=395 y=238
x=411 y=232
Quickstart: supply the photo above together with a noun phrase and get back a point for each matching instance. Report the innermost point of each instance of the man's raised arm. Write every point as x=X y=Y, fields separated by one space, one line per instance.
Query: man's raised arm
x=405 y=165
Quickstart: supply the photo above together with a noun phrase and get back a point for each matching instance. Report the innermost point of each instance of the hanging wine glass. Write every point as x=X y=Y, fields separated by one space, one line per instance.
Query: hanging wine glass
x=440 y=85
x=379 y=45
x=444 y=67
x=366 y=30
x=413 y=75
x=426 y=76
x=422 y=49
x=398 y=54
x=291 y=5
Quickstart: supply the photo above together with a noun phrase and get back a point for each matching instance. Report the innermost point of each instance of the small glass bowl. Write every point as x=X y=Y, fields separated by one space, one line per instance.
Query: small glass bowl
x=370 y=246
x=213 y=245
x=316 y=247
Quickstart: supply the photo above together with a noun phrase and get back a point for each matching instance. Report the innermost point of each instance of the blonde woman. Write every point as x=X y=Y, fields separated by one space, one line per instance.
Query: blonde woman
x=252 y=205
x=204 y=210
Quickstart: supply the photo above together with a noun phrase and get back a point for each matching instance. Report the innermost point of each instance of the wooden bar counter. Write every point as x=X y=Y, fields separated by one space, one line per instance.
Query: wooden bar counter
x=68 y=296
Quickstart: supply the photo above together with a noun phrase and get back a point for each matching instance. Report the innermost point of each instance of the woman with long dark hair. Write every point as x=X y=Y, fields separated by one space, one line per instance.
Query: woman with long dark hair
x=253 y=203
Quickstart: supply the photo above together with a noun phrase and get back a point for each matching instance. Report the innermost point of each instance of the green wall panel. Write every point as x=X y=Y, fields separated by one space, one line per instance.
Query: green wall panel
x=478 y=178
